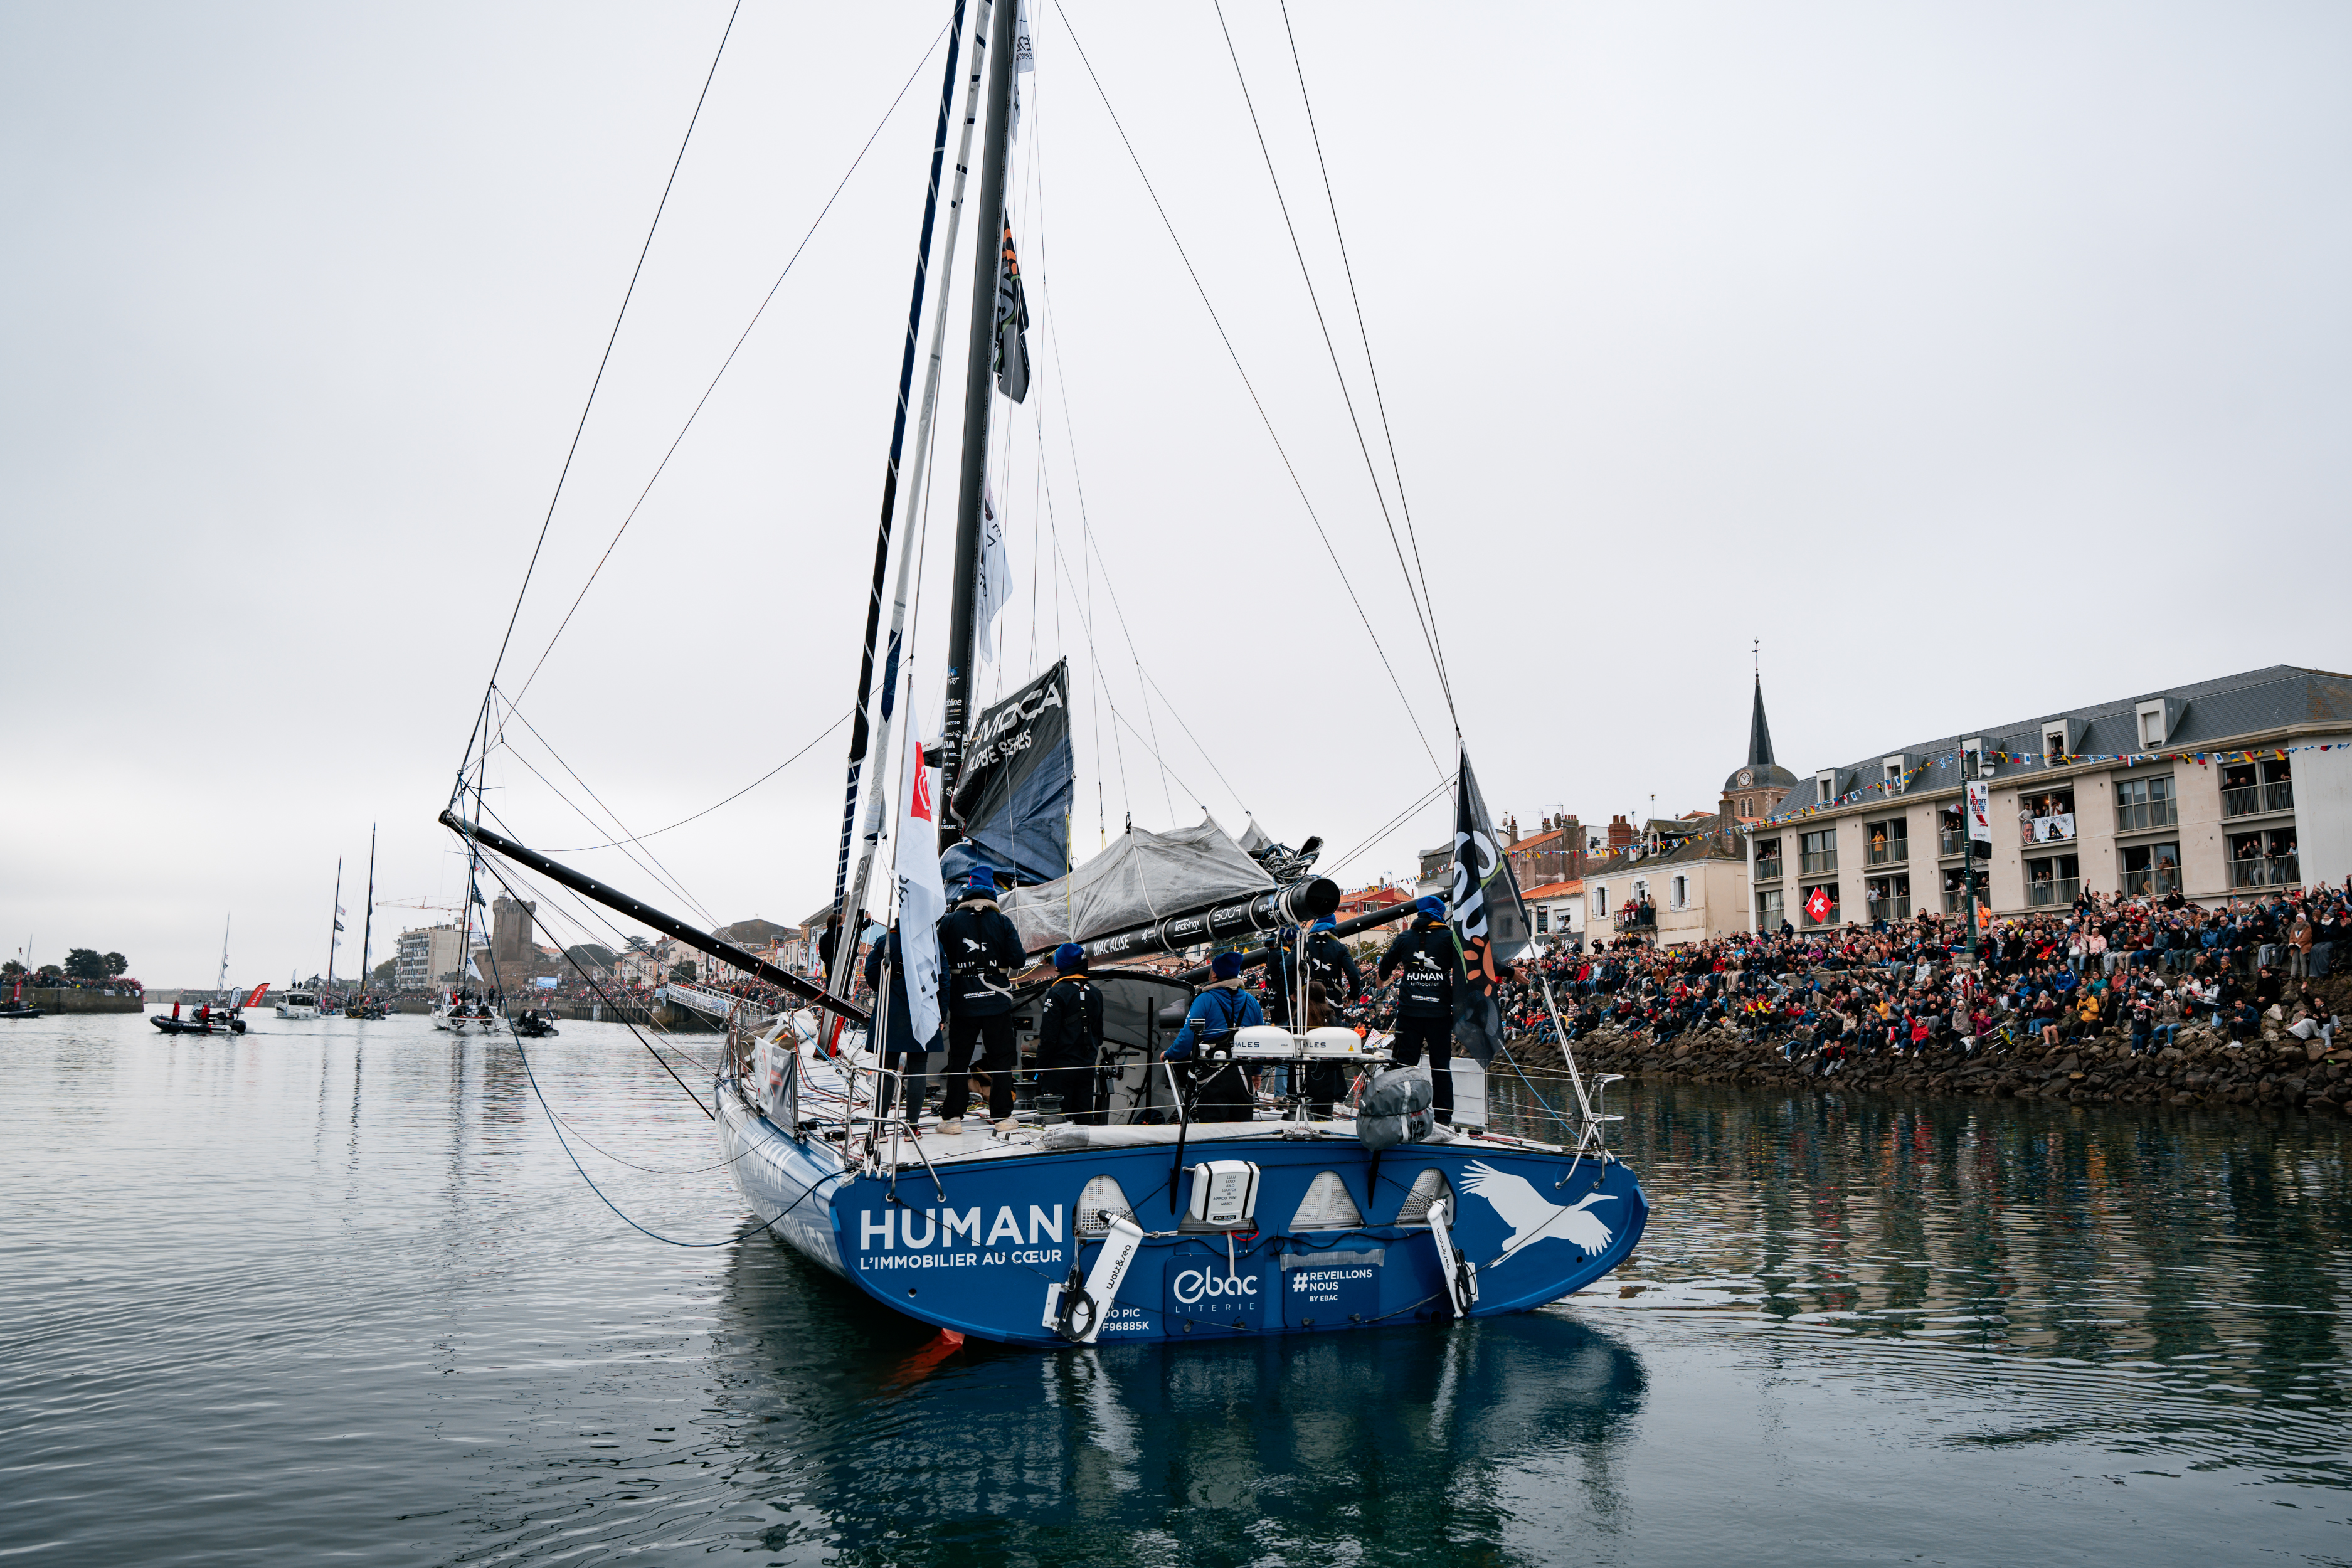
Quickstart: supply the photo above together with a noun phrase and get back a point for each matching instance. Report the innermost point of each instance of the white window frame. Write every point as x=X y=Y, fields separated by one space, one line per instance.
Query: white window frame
x=1678 y=891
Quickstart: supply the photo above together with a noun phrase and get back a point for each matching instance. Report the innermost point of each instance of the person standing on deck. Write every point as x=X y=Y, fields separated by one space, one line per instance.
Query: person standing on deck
x=1069 y=1035
x=901 y=1052
x=1423 y=958
x=980 y=948
x=1329 y=965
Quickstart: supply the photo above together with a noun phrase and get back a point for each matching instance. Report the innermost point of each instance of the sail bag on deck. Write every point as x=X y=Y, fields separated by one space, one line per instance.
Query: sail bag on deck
x=1142 y=877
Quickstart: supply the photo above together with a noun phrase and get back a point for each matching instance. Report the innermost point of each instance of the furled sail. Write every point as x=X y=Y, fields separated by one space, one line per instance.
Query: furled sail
x=1013 y=798
x=1142 y=877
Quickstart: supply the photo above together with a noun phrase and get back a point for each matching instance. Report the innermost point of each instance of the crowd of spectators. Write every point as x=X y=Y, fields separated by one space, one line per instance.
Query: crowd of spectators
x=2141 y=970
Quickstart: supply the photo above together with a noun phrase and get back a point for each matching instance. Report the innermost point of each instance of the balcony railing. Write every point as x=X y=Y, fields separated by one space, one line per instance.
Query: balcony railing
x=2252 y=800
x=1954 y=900
x=2054 y=891
x=1636 y=917
x=1894 y=852
x=2265 y=871
x=1890 y=908
x=2137 y=817
x=2155 y=883
x=1769 y=871
x=1816 y=862
x=1952 y=841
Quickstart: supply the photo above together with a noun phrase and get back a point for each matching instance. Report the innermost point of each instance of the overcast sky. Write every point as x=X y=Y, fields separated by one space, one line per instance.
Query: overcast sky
x=1980 y=360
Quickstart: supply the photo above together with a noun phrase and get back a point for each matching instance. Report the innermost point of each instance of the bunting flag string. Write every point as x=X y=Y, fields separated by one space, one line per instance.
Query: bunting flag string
x=1901 y=783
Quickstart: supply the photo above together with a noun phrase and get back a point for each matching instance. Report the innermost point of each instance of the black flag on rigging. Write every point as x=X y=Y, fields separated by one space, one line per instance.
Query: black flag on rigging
x=1489 y=920
x=1011 y=326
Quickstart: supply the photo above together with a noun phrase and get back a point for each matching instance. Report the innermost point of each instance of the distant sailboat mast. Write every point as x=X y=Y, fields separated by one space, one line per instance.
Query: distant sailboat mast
x=367 y=925
x=335 y=928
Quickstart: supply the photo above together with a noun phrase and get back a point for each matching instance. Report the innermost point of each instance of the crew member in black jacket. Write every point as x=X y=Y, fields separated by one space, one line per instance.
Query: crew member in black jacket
x=1069 y=1035
x=981 y=949
x=1425 y=956
x=1329 y=965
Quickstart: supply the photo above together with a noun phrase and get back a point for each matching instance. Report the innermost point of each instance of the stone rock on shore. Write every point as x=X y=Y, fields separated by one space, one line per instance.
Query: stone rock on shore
x=2203 y=1069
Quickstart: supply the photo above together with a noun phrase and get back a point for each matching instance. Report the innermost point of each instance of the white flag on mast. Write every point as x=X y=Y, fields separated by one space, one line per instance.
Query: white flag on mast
x=995 y=572
x=922 y=898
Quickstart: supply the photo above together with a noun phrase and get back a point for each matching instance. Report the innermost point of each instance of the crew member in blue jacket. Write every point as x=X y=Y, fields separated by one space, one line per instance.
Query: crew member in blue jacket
x=980 y=948
x=1221 y=1009
x=1422 y=956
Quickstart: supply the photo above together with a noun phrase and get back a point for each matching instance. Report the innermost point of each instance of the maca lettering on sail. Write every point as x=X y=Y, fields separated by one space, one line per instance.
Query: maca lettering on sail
x=1014 y=795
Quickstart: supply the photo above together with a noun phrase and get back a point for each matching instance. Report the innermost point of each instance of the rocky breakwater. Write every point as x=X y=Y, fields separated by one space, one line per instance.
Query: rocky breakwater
x=2203 y=1068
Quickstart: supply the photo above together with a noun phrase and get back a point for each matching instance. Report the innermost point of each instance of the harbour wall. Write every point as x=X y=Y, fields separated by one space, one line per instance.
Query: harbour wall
x=64 y=999
x=2277 y=1072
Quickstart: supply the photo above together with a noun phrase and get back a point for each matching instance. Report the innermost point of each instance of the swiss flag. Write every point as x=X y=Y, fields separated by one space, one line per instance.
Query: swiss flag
x=1818 y=906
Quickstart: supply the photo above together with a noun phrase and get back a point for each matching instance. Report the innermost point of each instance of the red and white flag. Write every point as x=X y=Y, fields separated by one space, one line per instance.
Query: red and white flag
x=922 y=896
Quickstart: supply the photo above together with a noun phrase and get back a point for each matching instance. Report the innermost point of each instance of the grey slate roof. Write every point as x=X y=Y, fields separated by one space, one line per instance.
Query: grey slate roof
x=2213 y=712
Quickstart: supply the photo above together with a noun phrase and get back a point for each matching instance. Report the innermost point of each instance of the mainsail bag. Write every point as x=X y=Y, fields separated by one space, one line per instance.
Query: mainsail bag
x=1142 y=877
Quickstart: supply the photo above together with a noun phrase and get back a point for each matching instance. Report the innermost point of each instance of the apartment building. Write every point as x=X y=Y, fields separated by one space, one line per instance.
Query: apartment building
x=2224 y=789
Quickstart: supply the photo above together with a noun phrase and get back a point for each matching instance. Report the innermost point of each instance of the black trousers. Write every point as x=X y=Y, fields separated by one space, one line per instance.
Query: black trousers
x=993 y=1034
x=1437 y=1034
x=911 y=1064
x=1075 y=1082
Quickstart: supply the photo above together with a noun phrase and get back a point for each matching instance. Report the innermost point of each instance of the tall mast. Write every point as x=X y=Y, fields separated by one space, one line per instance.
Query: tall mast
x=847 y=899
x=367 y=924
x=979 y=400
x=220 y=984
x=334 y=928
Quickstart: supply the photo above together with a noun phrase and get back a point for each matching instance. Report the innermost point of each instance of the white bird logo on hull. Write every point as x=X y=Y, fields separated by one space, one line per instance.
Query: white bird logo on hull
x=1534 y=1218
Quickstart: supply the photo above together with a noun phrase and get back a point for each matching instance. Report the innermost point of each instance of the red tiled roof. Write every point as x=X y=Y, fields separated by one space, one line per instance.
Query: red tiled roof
x=1555 y=889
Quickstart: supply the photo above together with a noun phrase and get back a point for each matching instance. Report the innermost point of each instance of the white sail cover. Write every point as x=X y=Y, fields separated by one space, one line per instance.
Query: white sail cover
x=1142 y=877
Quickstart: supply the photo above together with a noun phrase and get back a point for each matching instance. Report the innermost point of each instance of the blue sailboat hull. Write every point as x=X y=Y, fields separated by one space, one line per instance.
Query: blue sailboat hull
x=976 y=1245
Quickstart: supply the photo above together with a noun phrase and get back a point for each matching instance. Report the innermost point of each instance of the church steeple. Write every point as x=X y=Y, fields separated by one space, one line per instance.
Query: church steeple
x=1753 y=790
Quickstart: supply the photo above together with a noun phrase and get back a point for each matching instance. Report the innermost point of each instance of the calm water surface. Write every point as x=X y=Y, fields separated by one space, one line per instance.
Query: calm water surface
x=334 y=1290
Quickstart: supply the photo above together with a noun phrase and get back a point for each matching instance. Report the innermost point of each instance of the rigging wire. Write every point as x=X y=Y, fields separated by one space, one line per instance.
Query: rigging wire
x=744 y=336
x=1380 y=401
x=706 y=811
x=482 y=723
x=1420 y=612
x=1264 y=417
x=1145 y=680
x=660 y=872
x=531 y=914
x=1429 y=797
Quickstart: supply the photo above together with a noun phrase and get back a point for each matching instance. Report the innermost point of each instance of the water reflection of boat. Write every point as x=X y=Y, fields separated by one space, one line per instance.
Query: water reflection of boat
x=1388 y=1435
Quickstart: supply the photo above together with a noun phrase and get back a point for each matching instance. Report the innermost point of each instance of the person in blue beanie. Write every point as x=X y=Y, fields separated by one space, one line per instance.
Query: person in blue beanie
x=980 y=948
x=1069 y=1035
x=1221 y=1009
